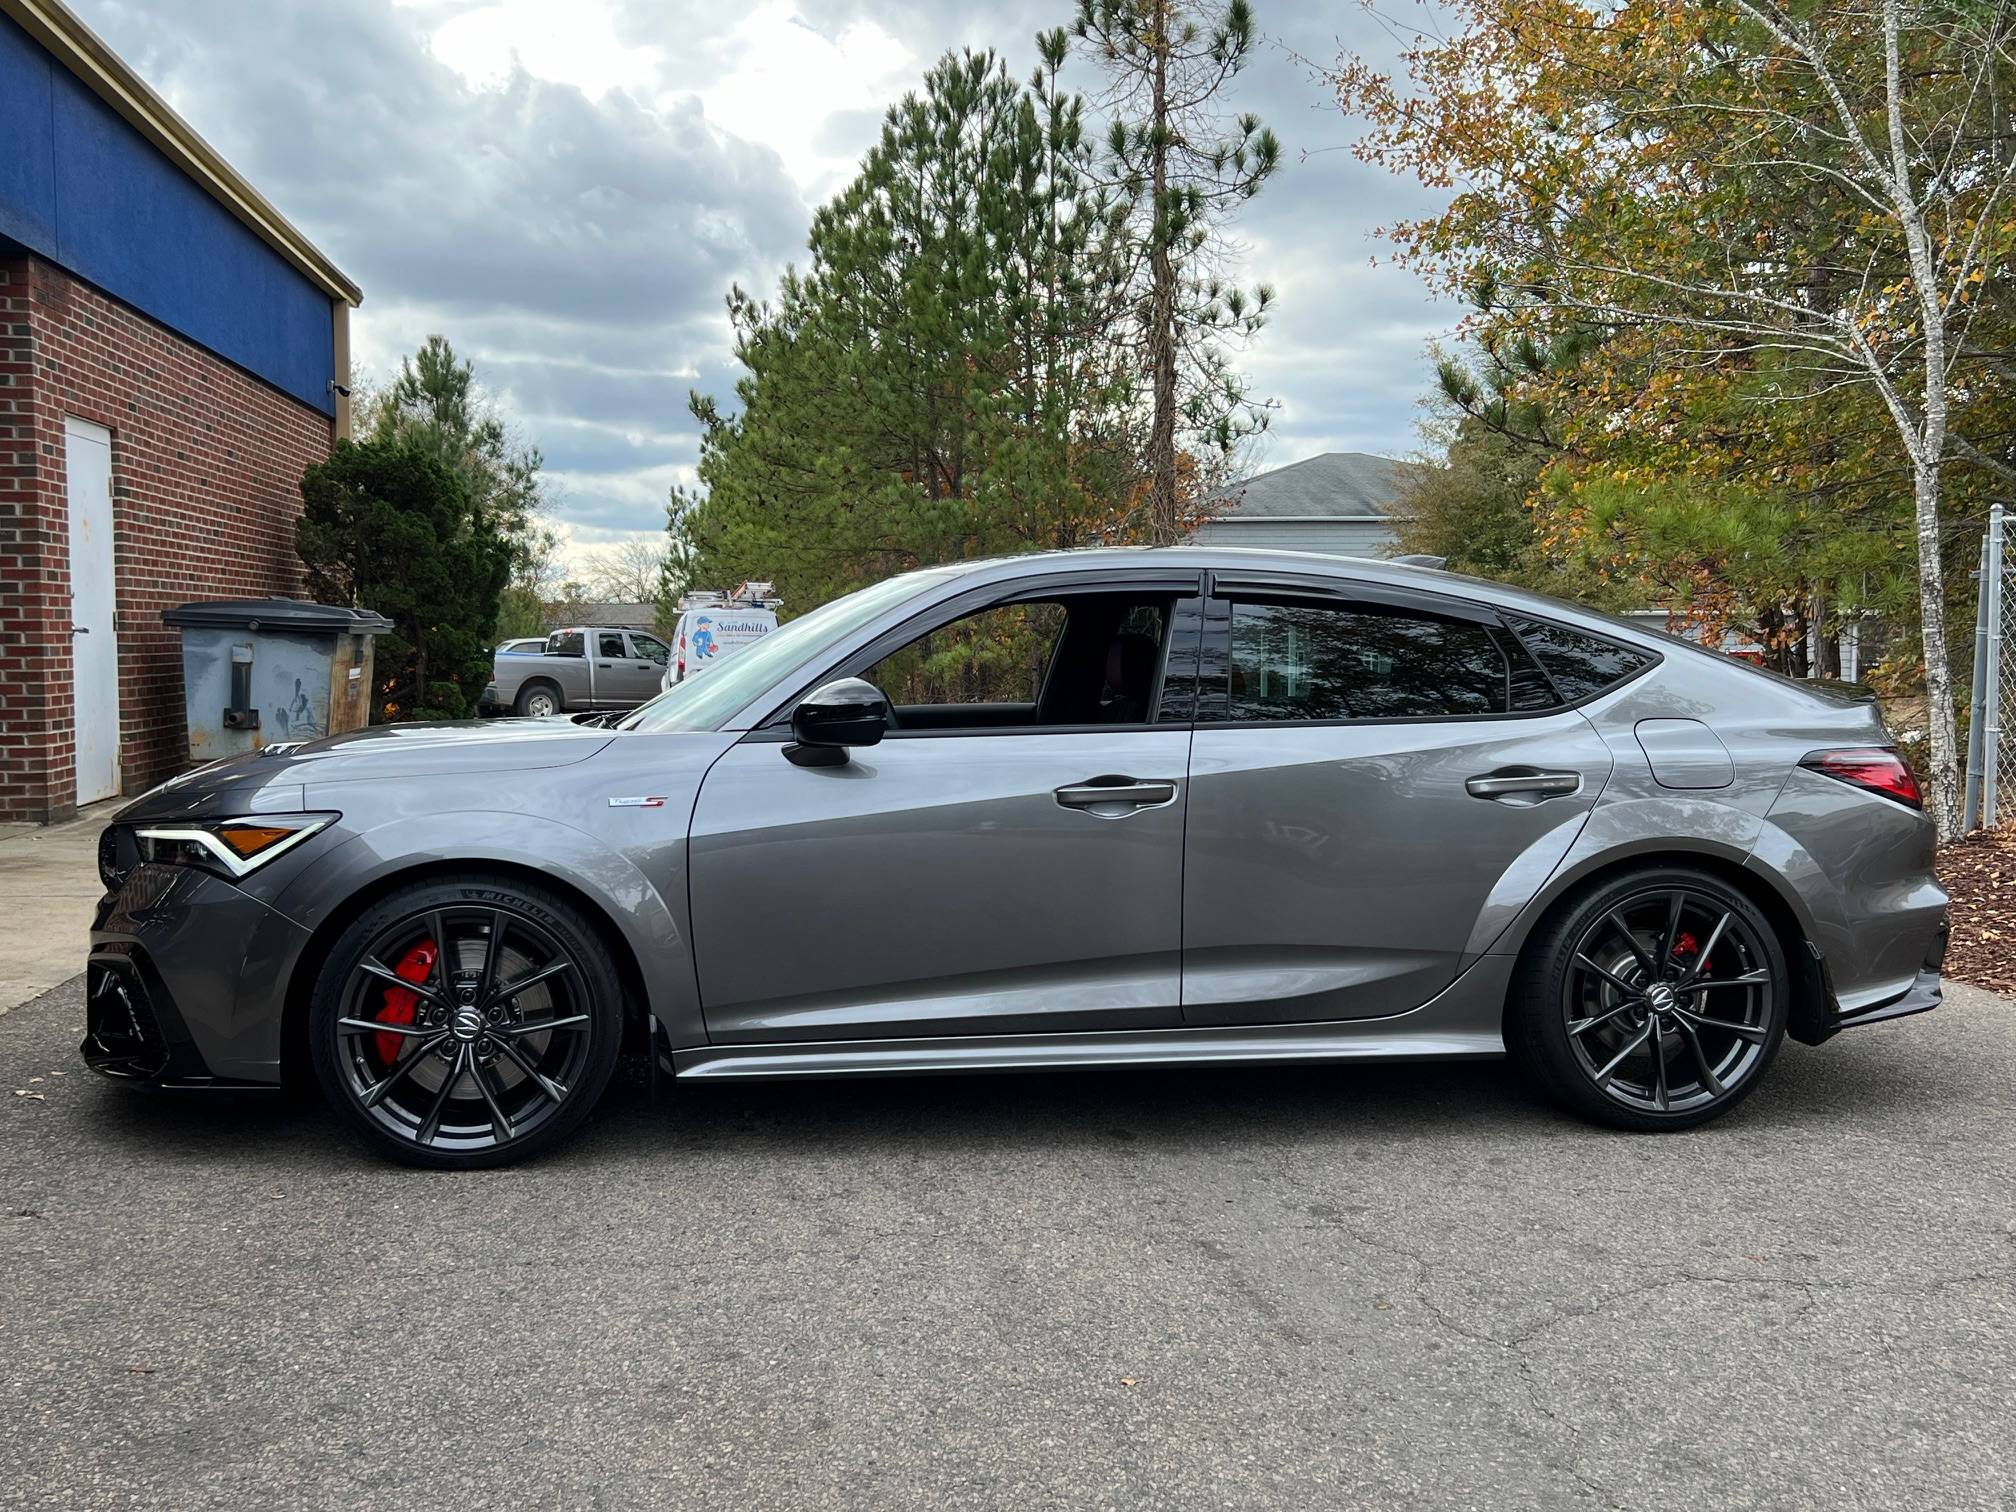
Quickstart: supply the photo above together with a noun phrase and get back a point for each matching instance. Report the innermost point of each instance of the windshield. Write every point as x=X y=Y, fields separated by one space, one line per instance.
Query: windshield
x=705 y=703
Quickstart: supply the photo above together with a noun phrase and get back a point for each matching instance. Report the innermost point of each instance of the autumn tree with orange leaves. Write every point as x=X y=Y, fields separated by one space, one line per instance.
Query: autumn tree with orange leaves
x=1793 y=210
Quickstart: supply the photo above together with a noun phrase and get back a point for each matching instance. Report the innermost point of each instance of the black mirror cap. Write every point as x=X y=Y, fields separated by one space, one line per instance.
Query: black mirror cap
x=846 y=712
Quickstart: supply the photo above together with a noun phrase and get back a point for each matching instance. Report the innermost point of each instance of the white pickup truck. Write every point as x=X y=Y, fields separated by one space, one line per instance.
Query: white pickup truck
x=581 y=667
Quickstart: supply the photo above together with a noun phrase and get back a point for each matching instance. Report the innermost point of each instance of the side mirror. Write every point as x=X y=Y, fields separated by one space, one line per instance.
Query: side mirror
x=847 y=712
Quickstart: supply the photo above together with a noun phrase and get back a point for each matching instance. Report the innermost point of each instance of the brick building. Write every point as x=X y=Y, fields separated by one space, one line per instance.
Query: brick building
x=172 y=355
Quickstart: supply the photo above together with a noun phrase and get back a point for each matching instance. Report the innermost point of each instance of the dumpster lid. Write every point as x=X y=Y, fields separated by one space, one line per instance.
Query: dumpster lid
x=298 y=616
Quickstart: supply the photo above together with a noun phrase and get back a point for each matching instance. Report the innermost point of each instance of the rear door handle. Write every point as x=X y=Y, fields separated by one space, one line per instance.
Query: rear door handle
x=1536 y=784
x=1115 y=797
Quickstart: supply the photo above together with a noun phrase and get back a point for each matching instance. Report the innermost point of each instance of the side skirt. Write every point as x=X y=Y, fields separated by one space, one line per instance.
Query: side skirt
x=1463 y=1023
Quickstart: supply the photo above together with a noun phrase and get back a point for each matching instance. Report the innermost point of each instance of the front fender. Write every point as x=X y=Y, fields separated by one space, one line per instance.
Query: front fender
x=647 y=911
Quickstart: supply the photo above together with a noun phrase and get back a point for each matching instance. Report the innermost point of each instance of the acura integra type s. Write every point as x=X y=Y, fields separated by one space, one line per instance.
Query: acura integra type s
x=1121 y=807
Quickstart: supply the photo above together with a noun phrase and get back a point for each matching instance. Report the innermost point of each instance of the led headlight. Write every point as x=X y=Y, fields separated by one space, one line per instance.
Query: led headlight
x=231 y=846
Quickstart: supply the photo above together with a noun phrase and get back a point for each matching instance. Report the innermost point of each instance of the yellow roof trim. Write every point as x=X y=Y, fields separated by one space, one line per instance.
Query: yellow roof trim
x=79 y=49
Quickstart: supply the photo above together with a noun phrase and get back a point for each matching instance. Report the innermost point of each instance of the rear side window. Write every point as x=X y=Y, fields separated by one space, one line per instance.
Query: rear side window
x=610 y=643
x=1312 y=661
x=1582 y=665
x=566 y=643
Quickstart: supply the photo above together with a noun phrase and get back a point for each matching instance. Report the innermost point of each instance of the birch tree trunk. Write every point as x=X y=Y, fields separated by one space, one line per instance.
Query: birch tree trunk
x=1939 y=710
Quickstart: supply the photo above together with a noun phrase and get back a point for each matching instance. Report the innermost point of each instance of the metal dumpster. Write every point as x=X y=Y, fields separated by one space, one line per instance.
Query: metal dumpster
x=256 y=672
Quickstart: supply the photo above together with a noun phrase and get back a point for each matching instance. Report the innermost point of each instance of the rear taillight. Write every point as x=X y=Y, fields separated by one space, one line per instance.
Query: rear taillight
x=1872 y=768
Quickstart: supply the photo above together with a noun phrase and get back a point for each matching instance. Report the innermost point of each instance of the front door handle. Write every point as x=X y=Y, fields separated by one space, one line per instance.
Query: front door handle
x=1116 y=797
x=1527 y=783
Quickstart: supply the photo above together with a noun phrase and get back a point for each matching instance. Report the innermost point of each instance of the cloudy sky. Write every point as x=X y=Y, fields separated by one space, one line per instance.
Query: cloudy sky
x=566 y=188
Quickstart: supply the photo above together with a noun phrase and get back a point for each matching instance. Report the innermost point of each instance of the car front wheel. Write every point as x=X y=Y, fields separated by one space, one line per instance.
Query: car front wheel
x=466 y=1022
x=1655 y=1000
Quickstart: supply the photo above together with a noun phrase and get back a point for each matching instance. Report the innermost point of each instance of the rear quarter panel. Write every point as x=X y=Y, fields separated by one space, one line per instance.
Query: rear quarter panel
x=1765 y=727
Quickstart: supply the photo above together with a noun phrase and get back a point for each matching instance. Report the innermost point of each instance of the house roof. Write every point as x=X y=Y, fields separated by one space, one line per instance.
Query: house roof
x=73 y=44
x=1335 y=485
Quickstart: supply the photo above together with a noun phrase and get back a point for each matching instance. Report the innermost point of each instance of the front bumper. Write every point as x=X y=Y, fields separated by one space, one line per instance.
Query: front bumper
x=186 y=984
x=133 y=1031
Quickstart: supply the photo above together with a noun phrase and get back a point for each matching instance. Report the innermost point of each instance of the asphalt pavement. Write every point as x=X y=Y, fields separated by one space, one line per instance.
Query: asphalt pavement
x=1399 y=1286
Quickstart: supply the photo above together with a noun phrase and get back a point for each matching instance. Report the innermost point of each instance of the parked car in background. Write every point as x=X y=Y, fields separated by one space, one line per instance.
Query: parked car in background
x=714 y=626
x=580 y=667
x=1088 y=809
x=524 y=645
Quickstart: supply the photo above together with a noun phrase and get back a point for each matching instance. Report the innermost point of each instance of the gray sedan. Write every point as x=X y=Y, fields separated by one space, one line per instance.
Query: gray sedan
x=1090 y=809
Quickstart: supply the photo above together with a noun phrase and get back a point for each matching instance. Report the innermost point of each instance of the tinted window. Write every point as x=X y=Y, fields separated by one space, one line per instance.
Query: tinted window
x=1320 y=661
x=996 y=656
x=566 y=643
x=1581 y=664
x=610 y=643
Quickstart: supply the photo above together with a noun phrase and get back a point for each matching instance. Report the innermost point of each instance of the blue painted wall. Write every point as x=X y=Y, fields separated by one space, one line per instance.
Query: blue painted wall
x=83 y=189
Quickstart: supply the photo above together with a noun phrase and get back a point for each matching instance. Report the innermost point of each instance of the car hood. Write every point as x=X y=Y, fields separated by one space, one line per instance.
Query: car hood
x=431 y=750
x=272 y=780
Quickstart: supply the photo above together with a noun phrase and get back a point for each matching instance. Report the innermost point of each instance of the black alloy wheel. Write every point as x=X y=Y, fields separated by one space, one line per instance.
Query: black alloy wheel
x=1656 y=1001
x=466 y=1023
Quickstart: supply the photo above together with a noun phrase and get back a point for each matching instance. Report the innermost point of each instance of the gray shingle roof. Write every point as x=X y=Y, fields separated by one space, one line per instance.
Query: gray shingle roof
x=1337 y=485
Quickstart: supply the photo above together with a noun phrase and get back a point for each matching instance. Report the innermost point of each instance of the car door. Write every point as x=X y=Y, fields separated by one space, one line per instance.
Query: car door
x=1006 y=860
x=648 y=655
x=617 y=680
x=1372 y=769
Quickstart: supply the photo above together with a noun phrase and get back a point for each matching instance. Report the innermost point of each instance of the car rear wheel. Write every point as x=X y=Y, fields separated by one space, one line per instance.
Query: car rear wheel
x=538 y=701
x=1656 y=1000
x=466 y=1022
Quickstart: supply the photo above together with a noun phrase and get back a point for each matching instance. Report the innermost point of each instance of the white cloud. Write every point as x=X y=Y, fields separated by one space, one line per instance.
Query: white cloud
x=566 y=188
x=788 y=80
x=574 y=43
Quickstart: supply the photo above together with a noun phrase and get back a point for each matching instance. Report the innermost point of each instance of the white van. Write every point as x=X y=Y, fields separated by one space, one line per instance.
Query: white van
x=710 y=633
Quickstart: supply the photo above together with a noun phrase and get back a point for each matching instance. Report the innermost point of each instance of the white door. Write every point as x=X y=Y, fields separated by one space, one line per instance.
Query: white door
x=94 y=641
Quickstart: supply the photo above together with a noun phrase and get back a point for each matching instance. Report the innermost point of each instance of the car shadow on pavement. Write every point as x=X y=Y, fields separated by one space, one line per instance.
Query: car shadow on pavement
x=1312 y=1104
x=1361 y=1100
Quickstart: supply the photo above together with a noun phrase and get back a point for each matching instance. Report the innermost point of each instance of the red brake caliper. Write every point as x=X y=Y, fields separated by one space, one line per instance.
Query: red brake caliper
x=1685 y=946
x=400 y=1005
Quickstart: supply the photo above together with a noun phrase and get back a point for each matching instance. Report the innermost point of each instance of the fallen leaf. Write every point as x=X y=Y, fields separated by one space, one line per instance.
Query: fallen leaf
x=24 y=1092
x=1128 y=1381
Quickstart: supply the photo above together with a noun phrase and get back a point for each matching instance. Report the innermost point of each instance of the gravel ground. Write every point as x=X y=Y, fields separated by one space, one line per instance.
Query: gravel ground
x=1373 y=1286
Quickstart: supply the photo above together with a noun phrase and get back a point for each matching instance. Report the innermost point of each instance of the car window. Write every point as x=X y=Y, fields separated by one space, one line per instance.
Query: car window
x=1581 y=665
x=565 y=643
x=997 y=656
x=705 y=703
x=1303 y=661
x=610 y=643
x=650 y=648
x=1078 y=659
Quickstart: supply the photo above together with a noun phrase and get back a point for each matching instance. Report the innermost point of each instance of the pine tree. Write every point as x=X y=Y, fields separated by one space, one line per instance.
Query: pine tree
x=1182 y=169
x=389 y=525
x=942 y=381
